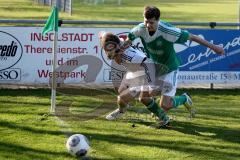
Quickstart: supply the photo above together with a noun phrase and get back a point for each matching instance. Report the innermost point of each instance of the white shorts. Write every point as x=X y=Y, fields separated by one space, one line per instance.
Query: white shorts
x=138 y=84
x=135 y=83
x=170 y=78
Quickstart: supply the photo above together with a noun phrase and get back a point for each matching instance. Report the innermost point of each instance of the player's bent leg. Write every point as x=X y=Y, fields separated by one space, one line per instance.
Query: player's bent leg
x=185 y=100
x=155 y=109
x=114 y=115
x=189 y=105
x=123 y=99
x=165 y=102
x=119 y=111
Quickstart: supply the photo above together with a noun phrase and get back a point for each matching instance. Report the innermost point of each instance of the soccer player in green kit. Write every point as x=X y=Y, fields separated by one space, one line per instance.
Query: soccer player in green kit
x=158 y=38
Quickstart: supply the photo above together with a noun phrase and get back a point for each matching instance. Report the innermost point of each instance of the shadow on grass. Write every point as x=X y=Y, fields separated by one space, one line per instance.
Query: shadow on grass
x=29 y=104
x=29 y=129
x=66 y=100
x=207 y=92
x=86 y=91
x=16 y=113
x=25 y=92
x=63 y=109
x=225 y=134
x=106 y=96
x=220 y=113
x=23 y=152
x=176 y=145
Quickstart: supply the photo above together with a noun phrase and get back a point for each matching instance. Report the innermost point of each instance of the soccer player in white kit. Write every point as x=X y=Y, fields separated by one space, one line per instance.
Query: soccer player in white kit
x=139 y=81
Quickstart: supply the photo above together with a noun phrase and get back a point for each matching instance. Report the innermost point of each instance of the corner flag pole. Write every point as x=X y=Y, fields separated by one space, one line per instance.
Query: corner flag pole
x=52 y=25
x=54 y=66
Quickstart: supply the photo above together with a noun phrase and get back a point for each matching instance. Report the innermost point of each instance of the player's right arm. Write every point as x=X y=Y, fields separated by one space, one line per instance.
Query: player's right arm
x=127 y=43
x=133 y=34
x=215 y=48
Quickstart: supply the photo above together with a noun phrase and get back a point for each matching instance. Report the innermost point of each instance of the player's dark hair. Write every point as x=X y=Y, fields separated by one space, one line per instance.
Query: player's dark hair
x=151 y=12
x=110 y=37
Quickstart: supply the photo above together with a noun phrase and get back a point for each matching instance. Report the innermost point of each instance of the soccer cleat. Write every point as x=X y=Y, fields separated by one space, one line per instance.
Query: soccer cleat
x=189 y=105
x=165 y=122
x=114 y=115
x=162 y=124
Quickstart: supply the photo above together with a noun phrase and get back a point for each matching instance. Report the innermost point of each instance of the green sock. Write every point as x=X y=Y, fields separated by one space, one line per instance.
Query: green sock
x=157 y=100
x=178 y=100
x=156 y=110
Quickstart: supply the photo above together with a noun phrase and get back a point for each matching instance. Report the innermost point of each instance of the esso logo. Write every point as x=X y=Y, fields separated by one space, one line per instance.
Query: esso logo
x=10 y=74
x=123 y=35
x=10 y=50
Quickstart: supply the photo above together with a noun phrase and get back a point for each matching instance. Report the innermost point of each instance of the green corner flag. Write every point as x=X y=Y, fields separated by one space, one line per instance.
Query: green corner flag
x=52 y=25
x=52 y=22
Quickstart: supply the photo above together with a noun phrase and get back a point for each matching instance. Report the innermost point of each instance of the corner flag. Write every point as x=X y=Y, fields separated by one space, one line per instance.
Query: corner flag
x=52 y=25
x=52 y=22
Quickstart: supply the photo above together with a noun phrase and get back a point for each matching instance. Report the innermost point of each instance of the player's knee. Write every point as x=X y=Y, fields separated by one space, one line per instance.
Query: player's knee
x=165 y=106
x=143 y=100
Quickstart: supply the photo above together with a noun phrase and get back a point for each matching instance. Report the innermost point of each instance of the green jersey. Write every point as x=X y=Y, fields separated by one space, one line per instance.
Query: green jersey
x=159 y=47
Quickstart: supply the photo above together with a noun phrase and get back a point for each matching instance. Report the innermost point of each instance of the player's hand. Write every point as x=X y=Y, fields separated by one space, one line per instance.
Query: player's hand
x=218 y=49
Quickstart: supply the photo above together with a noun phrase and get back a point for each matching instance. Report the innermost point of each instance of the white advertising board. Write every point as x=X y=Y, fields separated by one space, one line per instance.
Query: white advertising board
x=26 y=58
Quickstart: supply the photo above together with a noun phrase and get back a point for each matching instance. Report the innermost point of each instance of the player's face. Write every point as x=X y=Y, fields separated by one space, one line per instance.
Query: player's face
x=151 y=24
x=112 y=50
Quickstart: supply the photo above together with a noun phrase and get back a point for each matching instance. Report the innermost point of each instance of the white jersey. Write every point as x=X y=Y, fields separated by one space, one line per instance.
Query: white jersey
x=132 y=59
x=137 y=65
x=140 y=74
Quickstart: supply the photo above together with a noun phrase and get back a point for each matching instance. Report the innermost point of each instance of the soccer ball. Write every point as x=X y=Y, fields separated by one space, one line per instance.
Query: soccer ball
x=77 y=145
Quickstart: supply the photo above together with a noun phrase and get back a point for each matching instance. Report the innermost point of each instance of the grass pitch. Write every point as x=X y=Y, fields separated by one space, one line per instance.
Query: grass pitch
x=29 y=132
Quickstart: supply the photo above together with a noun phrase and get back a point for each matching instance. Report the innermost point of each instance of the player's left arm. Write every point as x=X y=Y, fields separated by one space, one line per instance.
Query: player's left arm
x=215 y=48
